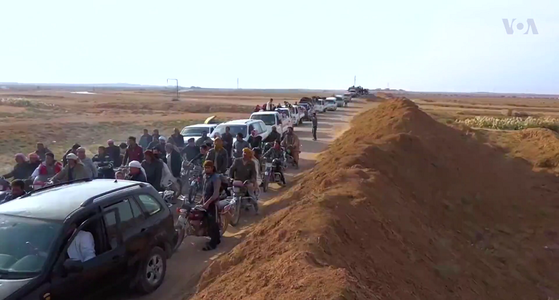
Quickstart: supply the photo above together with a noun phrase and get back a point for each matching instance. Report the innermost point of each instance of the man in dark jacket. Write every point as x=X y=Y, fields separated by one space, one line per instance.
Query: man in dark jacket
x=273 y=136
x=155 y=136
x=239 y=145
x=104 y=164
x=227 y=139
x=314 y=121
x=113 y=151
x=133 y=152
x=174 y=160
x=42 y=151
x=18 y=190
x=178 y=138
x=154 y=169
x=145 y=139
x=191 y=151
x=218 y=155
x=22 y=169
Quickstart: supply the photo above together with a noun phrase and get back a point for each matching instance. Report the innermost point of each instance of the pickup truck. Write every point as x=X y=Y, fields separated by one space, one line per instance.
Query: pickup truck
x=301 y=113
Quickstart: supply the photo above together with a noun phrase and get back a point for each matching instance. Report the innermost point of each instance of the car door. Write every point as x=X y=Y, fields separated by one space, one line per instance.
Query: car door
x=134 y=239
x=105 y=270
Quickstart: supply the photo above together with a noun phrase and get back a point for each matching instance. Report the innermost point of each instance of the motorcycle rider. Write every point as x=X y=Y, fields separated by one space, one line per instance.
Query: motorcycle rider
x=218 y=155
x=291 y=142
x=22 y=169
x=34 y=160
x=273 y=136
x=74 y=170
x=47 y=169
x=18 y=190
x=104 y=163
x=204 y=139
x=254 y=140
x=276 y=153
x=190 y=150
x=137 y=173
x=212 y=185
x=244 y=169
x=201 y=157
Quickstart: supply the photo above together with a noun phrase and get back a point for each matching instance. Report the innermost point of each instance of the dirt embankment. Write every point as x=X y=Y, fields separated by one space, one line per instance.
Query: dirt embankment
x=402 y=207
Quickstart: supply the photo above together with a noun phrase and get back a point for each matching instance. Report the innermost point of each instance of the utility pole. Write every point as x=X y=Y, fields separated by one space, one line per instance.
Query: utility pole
x=354 y=80
x=177 y=85
x=237 y=83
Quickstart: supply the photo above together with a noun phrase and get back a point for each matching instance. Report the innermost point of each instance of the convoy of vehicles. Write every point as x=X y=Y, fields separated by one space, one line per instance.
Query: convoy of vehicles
x=135 y=229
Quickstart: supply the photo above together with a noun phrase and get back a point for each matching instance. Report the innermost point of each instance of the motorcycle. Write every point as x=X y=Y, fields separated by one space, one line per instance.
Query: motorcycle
x=272 y=173
x=180 y=224
x=193 y=218
x=240 y=200
x=288 y=157
x=196 y=183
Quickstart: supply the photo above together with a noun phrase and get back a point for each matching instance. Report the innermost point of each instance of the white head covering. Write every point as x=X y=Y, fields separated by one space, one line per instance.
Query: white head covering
x=72 y=156
x=137 y=164
x=162 y=138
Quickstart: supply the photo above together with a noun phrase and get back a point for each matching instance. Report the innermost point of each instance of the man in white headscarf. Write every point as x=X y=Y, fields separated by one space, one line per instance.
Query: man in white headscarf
x=137 y=173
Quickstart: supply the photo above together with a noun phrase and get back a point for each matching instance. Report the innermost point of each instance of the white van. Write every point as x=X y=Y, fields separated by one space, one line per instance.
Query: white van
x=271 y=118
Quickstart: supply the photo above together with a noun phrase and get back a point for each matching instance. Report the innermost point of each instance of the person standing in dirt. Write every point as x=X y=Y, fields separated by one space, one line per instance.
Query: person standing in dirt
x=239 y=145
x=145 y=139
x=113 y=151
x=227 y=139
x=177 y=138
x=212 y=185
x=314 y=121
x=154 y=169
x=133 y=152
x=42 y=151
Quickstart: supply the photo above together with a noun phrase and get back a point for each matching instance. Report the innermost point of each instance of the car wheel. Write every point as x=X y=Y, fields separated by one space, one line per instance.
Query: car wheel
x=152 y=271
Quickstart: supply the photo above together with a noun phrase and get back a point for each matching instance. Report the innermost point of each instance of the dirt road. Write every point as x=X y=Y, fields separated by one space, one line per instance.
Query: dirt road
x=186 y=266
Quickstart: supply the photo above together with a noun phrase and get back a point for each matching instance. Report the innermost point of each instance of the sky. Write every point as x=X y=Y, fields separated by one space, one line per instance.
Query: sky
x=430 y=45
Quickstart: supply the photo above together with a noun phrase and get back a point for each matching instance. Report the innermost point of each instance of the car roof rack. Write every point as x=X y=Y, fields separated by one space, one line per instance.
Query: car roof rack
x=90 y=200
x=55 y=185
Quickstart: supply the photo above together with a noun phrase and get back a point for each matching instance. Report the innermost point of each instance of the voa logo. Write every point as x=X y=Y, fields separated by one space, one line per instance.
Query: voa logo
x=530 y=25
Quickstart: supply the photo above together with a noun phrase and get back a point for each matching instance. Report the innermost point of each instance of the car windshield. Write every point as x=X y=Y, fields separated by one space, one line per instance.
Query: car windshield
x=330 y=101
x=268 y=119
x=194 y=131
x=25 y=245
x=235 y=129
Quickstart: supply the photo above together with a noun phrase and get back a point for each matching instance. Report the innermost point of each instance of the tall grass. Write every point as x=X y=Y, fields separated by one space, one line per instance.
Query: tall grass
x=511 y=123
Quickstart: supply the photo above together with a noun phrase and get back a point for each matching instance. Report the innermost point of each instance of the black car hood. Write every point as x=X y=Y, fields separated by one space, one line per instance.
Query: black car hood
x=7 y=287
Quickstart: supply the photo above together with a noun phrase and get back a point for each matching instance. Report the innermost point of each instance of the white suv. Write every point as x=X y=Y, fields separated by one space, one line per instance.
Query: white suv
x=244 y=126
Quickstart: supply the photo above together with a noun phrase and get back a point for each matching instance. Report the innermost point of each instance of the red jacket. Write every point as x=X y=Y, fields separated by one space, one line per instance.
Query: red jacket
x=43 y=168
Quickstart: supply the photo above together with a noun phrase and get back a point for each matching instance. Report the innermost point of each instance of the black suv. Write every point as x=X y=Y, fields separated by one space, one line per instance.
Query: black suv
x=131 y=226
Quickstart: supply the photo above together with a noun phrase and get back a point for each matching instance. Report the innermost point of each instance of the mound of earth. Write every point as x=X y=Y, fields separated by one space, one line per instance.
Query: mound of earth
x=539 y=146
x=402 y=207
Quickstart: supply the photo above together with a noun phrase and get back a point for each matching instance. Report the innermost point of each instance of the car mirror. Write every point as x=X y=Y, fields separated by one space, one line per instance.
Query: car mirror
x=73 y=265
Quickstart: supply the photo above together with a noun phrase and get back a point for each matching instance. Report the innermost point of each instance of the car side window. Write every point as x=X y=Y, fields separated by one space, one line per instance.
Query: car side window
x=126 y=217
x=150 y=205
x=136 y=210
x=250 y=129
x=278 y=121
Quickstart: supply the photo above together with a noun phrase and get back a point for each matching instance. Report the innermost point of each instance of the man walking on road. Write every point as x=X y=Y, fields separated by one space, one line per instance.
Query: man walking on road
x=314 y=126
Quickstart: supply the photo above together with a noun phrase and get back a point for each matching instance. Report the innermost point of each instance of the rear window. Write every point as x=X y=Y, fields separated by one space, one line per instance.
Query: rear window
x=269 y=119
x=235 y=129
x=194 y=131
